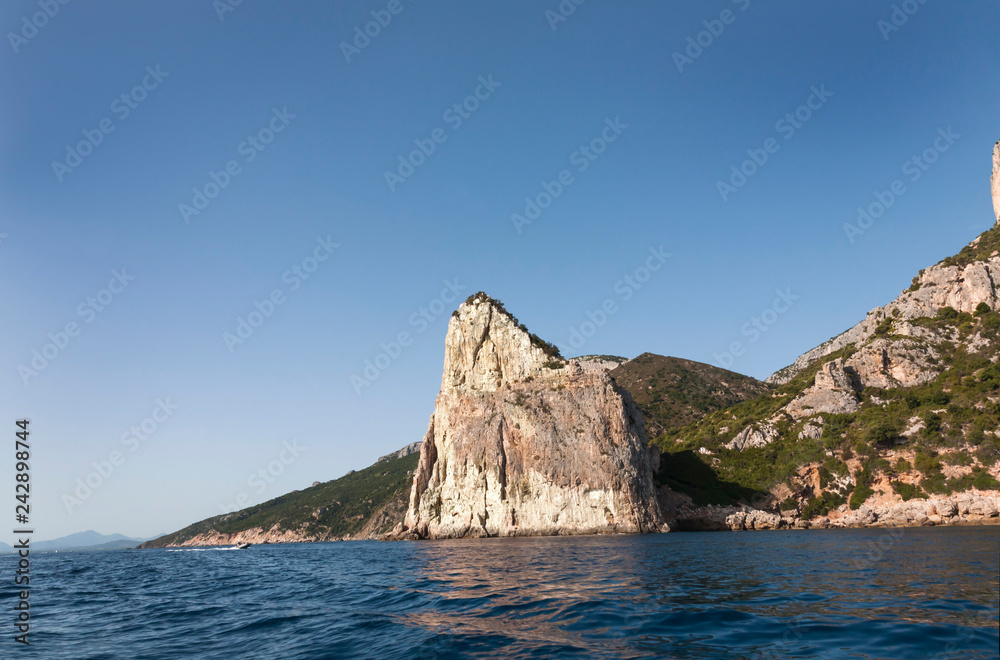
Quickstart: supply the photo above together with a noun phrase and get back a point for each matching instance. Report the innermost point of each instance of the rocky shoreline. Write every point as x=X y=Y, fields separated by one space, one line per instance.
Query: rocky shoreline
x=970 y=508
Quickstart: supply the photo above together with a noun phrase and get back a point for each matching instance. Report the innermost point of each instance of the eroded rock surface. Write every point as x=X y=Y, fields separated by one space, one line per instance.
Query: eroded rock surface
x=523 y=443
x=832 y=392
x=961 y=287
x=995 y=180
x=753 y=436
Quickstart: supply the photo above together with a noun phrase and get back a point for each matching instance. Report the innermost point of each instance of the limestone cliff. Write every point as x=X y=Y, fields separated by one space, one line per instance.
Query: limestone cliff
x=894 y=422
x=995 y=180
x=896 y=348
x=524 y=443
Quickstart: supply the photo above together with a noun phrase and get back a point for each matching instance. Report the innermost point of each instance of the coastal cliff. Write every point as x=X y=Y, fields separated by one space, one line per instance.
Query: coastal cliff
x=525 y=443
x=894 y=422
x=995 y=180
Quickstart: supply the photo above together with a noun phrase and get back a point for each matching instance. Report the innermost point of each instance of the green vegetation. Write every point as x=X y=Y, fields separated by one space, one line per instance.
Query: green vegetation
x=550 y=350
x=987 y=243
x=329 y=510
x=820 y=506
x=755 y=469
x=672 y=392
x=789 y=504
x=686 y=472
x=957 y=409
x=861 y=494
x=908 y=491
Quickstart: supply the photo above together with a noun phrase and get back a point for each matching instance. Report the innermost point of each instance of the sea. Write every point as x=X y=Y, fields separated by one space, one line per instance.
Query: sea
x=871 y=593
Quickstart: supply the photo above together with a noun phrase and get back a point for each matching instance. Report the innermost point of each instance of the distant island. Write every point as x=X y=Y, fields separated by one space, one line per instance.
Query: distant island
x=87 y=541
x=895 y=422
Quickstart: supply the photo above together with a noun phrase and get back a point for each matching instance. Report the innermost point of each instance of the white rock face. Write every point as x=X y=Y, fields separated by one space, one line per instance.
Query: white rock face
x=521 y=444
x=962 y=288
x=832 y=392
x=754 y=436
x=600 y=363
x=970 y=506
x=812 y=431
x=995 y=180
x=902 y=363
x=402 y=453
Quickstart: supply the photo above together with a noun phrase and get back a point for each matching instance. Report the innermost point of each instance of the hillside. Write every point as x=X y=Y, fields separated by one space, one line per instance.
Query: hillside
x=896 y=421
x=362 y=504
x=672 y=392
x=904 y=406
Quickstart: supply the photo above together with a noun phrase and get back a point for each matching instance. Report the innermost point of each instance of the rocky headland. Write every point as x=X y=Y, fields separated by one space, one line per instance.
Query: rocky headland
x=525 y=443
x=893 y=423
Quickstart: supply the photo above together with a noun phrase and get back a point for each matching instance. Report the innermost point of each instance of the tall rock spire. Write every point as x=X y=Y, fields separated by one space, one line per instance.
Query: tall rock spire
x=995 y=180
x=525 y=443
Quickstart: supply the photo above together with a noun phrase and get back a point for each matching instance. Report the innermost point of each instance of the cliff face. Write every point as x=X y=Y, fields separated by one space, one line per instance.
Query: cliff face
x=524 y=443
x=995 y=180
x=894 y=422
x=896 y=347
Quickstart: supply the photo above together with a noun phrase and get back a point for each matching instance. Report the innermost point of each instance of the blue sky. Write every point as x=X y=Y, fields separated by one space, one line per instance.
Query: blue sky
x=552 y=87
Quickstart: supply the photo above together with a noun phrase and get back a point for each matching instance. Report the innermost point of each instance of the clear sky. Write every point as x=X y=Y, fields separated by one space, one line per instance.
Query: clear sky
x=166 y=96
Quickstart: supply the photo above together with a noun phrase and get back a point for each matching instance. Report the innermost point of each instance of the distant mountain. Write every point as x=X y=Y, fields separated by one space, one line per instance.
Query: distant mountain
x=672 y=392
x=89 y=540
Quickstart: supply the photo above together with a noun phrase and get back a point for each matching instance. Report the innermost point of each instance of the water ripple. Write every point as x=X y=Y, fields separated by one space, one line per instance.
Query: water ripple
x=929 y=593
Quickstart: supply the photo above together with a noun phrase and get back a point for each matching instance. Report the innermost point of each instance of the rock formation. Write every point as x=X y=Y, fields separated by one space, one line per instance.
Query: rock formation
x=995 y=180
x=833 y=392
x=754 y=436
x=892 y=423
x=908 y=362
x=412 y=448
x=525 y=443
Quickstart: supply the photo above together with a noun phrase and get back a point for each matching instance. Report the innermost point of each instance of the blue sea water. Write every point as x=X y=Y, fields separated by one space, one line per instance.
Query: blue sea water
x=914 y=593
